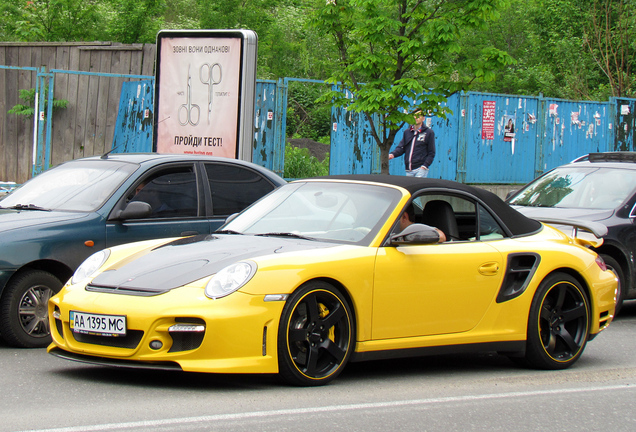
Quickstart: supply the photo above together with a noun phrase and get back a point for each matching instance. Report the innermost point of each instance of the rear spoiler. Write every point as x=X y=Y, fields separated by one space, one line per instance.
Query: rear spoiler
x=598 y=229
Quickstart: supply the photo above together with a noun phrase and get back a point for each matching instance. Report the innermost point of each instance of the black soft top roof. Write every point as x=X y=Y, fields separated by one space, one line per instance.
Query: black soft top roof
x=517 y=223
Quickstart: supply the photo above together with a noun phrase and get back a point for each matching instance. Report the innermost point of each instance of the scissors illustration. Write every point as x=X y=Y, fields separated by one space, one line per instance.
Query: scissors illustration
x=189 y=107
x=207 y=76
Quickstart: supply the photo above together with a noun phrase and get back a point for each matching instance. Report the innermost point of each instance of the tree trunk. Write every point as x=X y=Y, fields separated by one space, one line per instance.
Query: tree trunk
x=384 y=158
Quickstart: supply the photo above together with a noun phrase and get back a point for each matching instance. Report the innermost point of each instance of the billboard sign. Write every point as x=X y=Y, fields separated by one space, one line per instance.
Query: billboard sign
x=204 y=92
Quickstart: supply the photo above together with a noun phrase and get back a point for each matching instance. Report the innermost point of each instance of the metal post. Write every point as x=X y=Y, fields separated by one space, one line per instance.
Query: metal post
x=460 y=174
x=39 y=113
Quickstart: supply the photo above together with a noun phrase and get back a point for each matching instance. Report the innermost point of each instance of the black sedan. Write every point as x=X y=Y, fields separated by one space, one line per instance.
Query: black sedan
x=53 y=222
x=599 y=187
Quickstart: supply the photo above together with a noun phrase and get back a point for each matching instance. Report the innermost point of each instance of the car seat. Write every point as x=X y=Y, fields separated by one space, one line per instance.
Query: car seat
x=440 y=214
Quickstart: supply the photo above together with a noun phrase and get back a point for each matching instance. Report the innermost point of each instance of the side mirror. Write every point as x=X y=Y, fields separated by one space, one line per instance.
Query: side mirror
x=135 y=210
x=230 y=218
x=510 y=194
x=416 y=234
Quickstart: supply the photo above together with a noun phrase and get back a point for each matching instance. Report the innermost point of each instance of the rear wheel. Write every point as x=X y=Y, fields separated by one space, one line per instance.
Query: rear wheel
x=558 y=324
x=614 y=266
x=24 y=319
x=316 y=335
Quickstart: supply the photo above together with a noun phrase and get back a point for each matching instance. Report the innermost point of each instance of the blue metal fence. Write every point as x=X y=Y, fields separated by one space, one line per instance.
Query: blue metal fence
x=134 y=127
x=624 y=111
x=497 y=139
x=494 y=153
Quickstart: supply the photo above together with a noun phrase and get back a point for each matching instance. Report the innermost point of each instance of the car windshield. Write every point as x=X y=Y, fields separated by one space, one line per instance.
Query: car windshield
x=74 y=186
x=333 y=211
x=582 y=187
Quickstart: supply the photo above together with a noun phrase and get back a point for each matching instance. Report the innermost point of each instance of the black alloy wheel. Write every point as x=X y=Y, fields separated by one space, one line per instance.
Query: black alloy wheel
x=24 y=321
x=558 y=324
x=316 y=335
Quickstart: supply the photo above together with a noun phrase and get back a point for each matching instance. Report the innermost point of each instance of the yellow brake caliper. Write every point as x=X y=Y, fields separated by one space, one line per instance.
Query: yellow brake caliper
x=323 y=313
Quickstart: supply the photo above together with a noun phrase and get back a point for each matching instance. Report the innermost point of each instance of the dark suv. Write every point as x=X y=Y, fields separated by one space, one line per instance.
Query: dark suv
x=599 y=187
x=53 y=222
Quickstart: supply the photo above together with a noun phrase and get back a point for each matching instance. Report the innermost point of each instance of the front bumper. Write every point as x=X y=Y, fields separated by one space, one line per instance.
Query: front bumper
x=239 y=331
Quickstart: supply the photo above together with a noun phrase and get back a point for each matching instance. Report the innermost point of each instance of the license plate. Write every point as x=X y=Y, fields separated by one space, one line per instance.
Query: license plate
x=96 y=324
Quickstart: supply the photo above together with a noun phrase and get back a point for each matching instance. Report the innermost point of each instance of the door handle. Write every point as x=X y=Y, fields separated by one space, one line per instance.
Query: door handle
x=489 y=269
x=189 y=233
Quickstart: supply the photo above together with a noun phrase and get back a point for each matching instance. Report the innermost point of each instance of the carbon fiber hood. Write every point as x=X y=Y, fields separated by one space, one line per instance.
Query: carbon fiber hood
x=182 y=261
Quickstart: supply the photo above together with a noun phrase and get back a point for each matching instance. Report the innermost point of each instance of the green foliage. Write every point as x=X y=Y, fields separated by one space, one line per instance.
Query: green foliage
x=181 y=14
x=299 y=163
x=28 y=110
x=548 y=40
x=307 y=118
x=136 y=21
x=50 y=20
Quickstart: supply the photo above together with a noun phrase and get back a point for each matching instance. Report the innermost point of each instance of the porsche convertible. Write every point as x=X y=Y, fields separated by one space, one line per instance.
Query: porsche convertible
x=326 y=271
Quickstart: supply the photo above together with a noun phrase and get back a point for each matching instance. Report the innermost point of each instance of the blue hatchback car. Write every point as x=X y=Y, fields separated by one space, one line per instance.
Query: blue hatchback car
x=53 y=222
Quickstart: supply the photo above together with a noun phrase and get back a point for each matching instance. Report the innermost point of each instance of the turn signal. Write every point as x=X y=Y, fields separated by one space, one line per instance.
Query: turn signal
x=601 y=263
x=155 y=345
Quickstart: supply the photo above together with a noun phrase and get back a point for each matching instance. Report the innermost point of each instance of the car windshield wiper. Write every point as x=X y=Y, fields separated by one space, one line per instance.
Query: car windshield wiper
x=227 y=232
x=27 y=207
x=285 y=234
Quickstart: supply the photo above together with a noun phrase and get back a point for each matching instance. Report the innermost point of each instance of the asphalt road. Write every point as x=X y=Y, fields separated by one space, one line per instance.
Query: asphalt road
x=445 y=393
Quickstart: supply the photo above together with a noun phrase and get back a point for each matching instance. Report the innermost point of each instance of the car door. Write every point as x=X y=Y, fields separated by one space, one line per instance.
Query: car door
x=422 y=290
x=174 y=194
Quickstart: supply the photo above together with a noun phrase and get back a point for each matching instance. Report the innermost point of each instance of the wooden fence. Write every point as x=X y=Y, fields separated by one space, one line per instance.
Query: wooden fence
x=87 y=125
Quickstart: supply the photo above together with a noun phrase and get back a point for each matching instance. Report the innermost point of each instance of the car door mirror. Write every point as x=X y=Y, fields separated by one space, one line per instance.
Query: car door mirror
x=510 y=194
x=135 y=210
x=416 y=234
x=231 y=217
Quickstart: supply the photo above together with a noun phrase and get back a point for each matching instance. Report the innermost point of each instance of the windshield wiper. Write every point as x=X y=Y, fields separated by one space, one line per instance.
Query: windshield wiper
x=285 y=234
x=27 y=207
x=227 y=232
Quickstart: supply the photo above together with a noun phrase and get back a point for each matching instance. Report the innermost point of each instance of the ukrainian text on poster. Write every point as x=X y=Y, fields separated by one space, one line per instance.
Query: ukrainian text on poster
x=488 y=120
x=199 y=96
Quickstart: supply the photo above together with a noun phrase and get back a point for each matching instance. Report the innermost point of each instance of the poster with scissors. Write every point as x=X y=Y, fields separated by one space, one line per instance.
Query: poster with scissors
x=203 y=105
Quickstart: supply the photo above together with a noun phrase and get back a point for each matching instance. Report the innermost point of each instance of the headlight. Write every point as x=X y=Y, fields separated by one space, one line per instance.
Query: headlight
x=230 y=279
x=90 y=266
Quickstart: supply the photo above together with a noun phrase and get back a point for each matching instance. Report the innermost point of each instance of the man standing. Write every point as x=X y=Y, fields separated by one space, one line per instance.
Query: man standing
x=417 y=146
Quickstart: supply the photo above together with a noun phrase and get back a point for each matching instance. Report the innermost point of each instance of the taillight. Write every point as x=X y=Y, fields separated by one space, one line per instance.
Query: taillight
x=601 y=263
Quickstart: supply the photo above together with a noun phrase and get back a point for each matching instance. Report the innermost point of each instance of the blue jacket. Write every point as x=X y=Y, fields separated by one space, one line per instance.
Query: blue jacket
x=422 y=154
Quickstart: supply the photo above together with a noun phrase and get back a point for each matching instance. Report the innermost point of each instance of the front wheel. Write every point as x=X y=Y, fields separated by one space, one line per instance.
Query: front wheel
x=316 y=335
x=24 y=319
x=558 y=324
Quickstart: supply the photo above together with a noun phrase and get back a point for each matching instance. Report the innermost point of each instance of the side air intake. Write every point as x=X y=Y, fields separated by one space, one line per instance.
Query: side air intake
x=519 y=272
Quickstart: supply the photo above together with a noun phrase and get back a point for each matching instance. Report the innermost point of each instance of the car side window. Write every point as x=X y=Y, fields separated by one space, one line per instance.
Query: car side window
x=170 y=194
x=234 y=188
x=489 y=229
x=454 y=215
x=459 y=218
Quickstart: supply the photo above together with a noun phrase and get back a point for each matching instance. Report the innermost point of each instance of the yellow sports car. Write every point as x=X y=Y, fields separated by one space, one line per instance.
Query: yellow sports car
x=322 y=272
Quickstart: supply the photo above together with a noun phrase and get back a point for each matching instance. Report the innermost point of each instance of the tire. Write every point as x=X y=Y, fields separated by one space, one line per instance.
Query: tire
x=24 y=319
x=558 y=324
x=613 y=265
x=316 y=335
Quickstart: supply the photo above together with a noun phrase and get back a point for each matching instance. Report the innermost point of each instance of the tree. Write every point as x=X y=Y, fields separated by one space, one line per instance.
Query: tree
x=51 y=20
x=136 y=21
x=28 y=108
x=397 y=55
x=610 y=38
